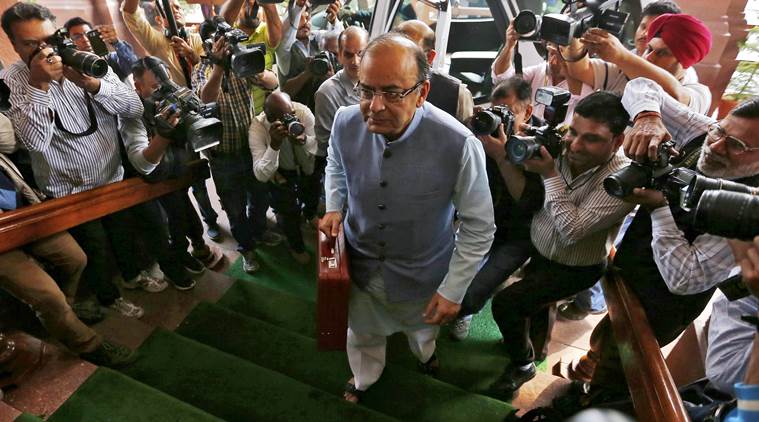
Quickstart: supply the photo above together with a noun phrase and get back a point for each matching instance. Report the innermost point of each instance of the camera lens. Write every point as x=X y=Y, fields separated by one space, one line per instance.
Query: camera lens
x=320 y=66
x=728 y=214
x=521 y=148
x=526 y=23
x=485 y=123
x=88 y=63
x=295 y=128
x=622 y=182
x=701 y=184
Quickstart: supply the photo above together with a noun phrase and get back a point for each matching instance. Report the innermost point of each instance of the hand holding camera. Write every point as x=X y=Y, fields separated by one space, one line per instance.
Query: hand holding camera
x=647 y=135
x=543 y=165
x=287 y=127
x=512 y=36
x=108 y=34
x=603 y=44
x=89 y=83
x=45 y=66
x=167 y=121
x=219 y=51
x=182 y=49
x=332 y=11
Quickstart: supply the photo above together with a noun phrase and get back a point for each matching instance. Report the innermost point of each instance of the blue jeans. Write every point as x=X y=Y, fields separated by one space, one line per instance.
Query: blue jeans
x=239 y=191
x=503 y=259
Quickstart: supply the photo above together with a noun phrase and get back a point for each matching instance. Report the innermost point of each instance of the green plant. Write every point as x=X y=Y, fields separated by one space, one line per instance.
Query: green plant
x=743 y=84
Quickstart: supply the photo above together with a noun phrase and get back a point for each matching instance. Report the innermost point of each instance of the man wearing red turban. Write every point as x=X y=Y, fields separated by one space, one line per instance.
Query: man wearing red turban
x=675 y=43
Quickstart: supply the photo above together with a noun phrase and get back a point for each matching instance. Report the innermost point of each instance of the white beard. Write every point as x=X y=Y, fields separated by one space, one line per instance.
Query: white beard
x=728 y=171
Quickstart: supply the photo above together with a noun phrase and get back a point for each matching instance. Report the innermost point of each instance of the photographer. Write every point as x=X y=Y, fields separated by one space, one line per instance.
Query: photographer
x=569 y=234
x=298 y=48
x=675 y=43
x=230 y=161
x=169 y=50
x=283 y=145
x=516 y=197
x=551 y=73
x=675 y=267
x=121 y=60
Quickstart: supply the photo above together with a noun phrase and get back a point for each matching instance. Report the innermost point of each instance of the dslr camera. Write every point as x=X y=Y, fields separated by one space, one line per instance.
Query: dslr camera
x=243 y=60
x=84 y=62
x=486 y=122
x=649 y=174
x=322 y=63
x=561 y=28
x=294 y=127
x=197 y=123
x=522 y=148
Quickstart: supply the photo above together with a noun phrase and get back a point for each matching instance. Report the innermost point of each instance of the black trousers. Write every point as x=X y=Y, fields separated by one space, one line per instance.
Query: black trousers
x=525 y=311
x=184 y=222
x=286 y=199
x=313 y=187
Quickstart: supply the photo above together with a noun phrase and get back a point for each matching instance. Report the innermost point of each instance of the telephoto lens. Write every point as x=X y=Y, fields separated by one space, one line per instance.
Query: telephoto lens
x=527 y=24
x=88 y=63
x=734 y=215
x=622 y=182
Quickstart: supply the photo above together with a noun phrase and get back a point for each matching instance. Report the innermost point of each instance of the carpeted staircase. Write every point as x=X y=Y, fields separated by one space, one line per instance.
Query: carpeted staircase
x=252 y=356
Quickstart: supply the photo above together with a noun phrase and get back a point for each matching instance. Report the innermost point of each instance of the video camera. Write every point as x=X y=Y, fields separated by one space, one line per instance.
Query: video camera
x=84 y=62
x=561 y=28
x=522 y=148
x=196 y=122
x=243 y=60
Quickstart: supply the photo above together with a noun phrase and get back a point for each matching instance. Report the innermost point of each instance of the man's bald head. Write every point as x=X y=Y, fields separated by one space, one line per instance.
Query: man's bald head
x=397 y=45
x=352 y=33
x=276 y=105
x=418 y=32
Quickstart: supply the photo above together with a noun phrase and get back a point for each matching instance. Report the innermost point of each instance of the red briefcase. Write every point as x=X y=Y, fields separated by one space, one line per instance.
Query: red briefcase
x=333 y=290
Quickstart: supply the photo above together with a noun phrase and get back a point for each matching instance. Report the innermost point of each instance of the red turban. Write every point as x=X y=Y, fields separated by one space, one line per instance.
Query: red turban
x=687 y=37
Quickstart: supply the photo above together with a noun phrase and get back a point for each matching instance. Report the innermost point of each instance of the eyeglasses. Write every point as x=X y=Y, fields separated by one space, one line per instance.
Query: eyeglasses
x=367 y=94
x=733 y=144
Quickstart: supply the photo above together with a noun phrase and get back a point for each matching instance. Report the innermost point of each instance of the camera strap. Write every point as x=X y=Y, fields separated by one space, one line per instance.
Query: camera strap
x=90 y=111
x=518 y=61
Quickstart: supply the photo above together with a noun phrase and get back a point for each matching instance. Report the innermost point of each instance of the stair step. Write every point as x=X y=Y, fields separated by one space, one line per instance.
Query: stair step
x=473 y=364
x=26 y=417
x=296 y=356
x=109 y=395
x=232 y=388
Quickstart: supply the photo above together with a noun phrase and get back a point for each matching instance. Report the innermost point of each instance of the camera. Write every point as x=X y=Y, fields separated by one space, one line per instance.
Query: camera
x=84 y=62
x=641 y=174
x=522 y=148
x=197 y=124
x=294 y=127
x=243 y=60
x=486 y=122
x=560 y=28
x=322 y=63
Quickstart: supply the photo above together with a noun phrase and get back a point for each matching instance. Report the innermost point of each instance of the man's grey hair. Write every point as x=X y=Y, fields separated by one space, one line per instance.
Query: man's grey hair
x=394 y=38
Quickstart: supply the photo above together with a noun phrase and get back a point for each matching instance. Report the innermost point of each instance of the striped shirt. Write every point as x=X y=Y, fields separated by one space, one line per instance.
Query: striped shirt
x=235 y=108
x=687 y=268
x=579 y=219
x=62 y=163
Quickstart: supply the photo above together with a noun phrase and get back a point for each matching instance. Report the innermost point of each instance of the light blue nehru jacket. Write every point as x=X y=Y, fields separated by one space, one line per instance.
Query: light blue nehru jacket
x=400 y=203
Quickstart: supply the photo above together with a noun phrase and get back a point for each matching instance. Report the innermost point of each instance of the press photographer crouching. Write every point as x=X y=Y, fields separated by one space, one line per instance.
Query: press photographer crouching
x=671 y=261
x=283 y=145
x=569 y=234
x=515 y=199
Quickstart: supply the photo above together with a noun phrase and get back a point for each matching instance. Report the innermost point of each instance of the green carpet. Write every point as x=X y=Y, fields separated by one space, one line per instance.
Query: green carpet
x=232 y=388
x=25 y=417
x=296 y=356
x=473 y=364
x=110 y=396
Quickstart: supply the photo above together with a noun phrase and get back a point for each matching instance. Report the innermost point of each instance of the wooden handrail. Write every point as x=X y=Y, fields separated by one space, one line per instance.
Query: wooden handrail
x=653 y=391
x=34 y=222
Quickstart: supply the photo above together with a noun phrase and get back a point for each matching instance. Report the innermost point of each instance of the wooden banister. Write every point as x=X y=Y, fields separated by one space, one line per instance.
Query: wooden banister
x=653 y=391
x=34 y=222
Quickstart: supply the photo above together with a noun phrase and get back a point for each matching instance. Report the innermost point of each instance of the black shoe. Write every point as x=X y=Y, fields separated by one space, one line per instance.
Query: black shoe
x=192 y=264
x=431 y=367
x=89 y=311
x=512 y=378
x=186 y=284
x=110 y=355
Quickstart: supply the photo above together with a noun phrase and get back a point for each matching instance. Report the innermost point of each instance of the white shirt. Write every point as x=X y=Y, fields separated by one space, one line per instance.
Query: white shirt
x=267 y=160
x=687 y=268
